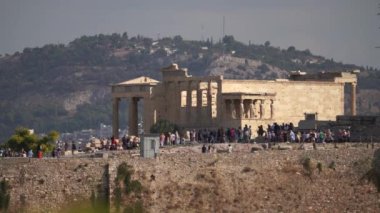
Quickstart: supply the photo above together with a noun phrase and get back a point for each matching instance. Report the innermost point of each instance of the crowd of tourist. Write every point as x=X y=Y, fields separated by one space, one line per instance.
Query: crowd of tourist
x=274 y=133
x=287 y=133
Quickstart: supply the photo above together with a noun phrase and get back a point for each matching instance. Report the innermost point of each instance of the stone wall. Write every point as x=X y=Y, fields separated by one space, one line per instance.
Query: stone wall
x=294 y=98
x=48 y=185
x=182 y=179
x=45 y=185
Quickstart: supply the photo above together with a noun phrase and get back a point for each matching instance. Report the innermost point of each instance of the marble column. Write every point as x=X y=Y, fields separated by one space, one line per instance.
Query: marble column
x=271 y=109
x=189 y=101
x=353 y=98
x=199 y=101
x=133 y=112
x=115 y=117
x=233 y=109
x=227 y=108
x=209 y=100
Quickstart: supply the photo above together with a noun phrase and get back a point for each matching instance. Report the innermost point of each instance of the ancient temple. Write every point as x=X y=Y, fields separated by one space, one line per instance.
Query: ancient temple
x=214 y=102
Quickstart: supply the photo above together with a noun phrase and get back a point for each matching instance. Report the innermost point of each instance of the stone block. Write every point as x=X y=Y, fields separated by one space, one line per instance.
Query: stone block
x=284 y=147
x=256 y=147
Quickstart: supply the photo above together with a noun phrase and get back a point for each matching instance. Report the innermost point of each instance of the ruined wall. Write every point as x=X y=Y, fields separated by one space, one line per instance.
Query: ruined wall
x=293 y=99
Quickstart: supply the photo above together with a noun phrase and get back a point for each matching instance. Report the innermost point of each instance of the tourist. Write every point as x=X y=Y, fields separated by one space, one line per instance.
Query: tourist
x=30 y=153
x=299 y=136
x=348 y=135
x=292 y=136
x=260 y=131
x=245 y=134
x=232 y=135
x=66 y=146
x=124 y=141
x=177 y=139
x=172 y=138
x=162 y=139
x=321 y=137
x=113 y=143
x=23 y=153
x=73 y=147
x=59 y=152
x=250 y=133
x=39 y=154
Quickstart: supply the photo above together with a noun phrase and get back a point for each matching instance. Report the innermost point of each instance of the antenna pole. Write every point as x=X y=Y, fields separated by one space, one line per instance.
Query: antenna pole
x=224 y=25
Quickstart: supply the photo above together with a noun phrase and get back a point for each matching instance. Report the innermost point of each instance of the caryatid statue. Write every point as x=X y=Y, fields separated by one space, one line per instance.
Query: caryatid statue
x=241 y=109
x=251 y=109
x=262 y=109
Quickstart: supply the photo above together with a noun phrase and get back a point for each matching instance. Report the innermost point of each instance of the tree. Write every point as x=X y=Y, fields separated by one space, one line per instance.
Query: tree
x=228 y=39
x=178 y=39
x=23 y=138
x=267 y=44
x=163 y=126
x=291 y=49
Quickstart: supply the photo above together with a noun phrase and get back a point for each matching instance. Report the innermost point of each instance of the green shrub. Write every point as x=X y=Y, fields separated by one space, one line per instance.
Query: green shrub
x=307 y=166
x=163 y=126
x=332 y=165
x=124 y=173
x=319 y=167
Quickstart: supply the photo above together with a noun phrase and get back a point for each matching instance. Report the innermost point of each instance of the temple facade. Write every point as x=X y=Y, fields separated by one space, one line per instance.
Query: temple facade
x=214 y=102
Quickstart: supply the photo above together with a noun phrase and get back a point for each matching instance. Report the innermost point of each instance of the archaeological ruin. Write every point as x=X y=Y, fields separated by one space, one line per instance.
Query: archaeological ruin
x=214 y=102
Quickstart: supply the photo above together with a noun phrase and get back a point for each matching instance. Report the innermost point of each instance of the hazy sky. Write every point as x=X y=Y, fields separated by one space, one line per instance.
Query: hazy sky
x=346 y=30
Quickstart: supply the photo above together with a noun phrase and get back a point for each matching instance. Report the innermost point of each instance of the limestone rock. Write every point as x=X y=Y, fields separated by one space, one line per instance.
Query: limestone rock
x=306 y=147
x=256 y=147
x=285 y=147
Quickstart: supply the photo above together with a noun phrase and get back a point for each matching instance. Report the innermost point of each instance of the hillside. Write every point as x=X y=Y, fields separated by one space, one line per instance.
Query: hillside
x=66 y=87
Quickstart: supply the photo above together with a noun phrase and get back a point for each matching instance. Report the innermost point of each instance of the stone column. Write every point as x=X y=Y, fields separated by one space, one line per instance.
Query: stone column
x=233 y=109
x=209 y=97
x=199 y=117
x=189 y=98
x=199 y=101
x=353 y=98
x=271 y=109
x=133 y=112
x=262 y=110
x=115 y=117
x=227 y=109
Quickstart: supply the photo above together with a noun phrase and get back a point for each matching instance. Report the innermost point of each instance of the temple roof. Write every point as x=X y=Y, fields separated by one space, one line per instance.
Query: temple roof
x=139 y=81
